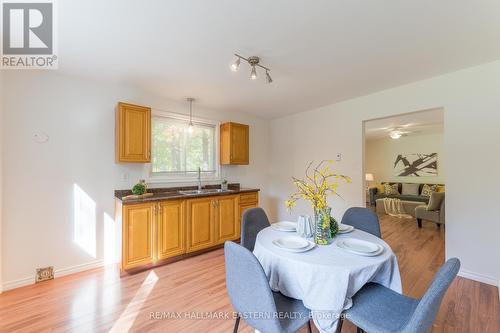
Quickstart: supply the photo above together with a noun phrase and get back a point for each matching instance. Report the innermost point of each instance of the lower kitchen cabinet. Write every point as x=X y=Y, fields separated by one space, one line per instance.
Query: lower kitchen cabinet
x=227 y=218
x=171 y=229
x=158 y=230
x=137 y=229
x=200 y=224
x=247 y=201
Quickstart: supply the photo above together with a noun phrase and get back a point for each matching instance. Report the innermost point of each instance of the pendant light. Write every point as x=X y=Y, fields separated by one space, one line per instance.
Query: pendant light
x=191 y=126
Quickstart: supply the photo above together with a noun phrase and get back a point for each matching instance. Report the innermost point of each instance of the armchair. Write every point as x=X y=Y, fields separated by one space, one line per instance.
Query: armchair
x=434 y=211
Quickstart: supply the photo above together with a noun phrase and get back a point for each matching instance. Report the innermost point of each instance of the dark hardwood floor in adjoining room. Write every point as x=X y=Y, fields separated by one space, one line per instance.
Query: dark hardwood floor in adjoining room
x=100 y=301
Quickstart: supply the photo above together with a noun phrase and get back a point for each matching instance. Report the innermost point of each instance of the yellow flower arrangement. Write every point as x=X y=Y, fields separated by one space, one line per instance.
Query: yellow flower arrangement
x=318 y=184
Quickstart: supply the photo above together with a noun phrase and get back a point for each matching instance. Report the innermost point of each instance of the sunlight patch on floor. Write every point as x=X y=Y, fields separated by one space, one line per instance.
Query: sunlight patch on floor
x=127 y=318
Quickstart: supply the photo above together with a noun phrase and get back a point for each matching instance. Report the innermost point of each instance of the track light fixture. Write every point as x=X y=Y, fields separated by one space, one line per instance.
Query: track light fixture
x=253 y=61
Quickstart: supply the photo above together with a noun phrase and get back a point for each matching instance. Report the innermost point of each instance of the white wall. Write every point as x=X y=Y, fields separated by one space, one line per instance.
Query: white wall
x=471 y=102
x=78 y=116
x=381 y=153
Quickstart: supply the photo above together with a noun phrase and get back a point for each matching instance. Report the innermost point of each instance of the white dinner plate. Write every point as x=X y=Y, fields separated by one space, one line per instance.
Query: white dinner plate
x=285 y=226
x=361 y=247
x=344 y=228
x=293 y=244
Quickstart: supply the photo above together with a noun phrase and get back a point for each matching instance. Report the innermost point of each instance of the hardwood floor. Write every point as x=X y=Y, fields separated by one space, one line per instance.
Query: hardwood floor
x=100 y=301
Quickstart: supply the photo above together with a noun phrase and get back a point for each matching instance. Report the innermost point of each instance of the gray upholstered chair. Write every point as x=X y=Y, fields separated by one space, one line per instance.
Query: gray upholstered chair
x=434 y=211
x=253 y=221
x=250 y=294
x=377 y=309
x=363 y=219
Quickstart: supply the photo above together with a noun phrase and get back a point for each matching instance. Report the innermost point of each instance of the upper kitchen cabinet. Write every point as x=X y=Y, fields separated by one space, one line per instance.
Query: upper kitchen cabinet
x=133 y=133
x=234 y=143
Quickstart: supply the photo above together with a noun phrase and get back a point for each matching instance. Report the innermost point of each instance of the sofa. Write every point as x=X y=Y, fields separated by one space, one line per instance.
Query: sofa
x=374 y=195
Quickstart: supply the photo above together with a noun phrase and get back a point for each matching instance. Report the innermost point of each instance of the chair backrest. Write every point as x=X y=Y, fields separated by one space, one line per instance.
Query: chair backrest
x=428 y=307
x=363 y=219
x=249 y=289
x=253 y=221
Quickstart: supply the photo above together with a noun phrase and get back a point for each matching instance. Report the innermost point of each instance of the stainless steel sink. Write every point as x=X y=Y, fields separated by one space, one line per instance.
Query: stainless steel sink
x=204 y=191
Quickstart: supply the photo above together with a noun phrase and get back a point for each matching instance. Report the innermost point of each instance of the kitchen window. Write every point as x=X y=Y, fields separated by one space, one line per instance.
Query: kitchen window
x=177 y=153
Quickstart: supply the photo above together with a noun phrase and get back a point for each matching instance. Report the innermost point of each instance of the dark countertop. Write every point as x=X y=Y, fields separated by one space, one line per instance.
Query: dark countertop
x=172 y=193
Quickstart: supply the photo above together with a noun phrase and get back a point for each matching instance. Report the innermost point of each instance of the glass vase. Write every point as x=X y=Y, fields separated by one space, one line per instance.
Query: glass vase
x=322 y=232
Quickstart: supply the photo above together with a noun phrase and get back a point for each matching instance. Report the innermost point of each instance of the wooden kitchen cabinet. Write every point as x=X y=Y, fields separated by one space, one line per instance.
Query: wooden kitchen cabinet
x=227 y=222
x=137 y=228
x=200 y=224
x=234 y=144
x=133 y=133
x=171 y=229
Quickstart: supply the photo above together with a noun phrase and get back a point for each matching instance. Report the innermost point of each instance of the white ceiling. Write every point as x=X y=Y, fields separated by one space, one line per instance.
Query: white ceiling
x=320 y=51
x=415 y=123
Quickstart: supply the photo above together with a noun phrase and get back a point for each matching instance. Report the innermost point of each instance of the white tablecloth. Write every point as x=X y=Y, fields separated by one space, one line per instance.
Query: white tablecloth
x=326 y=277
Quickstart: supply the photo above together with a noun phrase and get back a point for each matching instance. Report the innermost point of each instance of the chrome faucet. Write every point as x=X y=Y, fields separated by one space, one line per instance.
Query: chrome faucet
x=199 y=179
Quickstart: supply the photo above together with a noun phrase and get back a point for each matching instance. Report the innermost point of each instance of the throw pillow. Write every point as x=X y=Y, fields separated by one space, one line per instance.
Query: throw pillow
x=391 y=189
x=435 y=201
x=428 y=189
x=441 y=188
x=380 y=189
x=410 y=189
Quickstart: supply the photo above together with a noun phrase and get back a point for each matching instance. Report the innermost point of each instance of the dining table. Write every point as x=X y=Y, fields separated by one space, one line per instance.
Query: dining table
x=325 y=277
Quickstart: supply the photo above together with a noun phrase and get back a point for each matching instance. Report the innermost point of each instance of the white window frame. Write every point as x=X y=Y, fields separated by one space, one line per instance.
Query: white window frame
x=155 y=178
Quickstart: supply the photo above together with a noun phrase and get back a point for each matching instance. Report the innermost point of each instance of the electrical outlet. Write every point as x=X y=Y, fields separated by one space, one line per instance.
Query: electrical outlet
x=44 y=274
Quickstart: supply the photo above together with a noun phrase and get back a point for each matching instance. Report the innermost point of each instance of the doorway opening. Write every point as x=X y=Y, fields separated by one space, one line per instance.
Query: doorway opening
x=404 y=171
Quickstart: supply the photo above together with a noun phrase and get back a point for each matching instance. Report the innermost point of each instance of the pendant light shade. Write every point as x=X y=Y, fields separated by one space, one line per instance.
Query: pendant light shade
x=191 y=126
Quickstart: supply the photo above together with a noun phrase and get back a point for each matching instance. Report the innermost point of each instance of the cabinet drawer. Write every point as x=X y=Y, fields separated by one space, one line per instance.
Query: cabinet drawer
x=251 y=197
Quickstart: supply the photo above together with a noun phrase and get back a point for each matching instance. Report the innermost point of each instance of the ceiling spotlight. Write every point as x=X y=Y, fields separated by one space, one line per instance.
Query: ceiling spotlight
x=253 y=73
x=254 y=62
x=268 y=76
x=235 y=65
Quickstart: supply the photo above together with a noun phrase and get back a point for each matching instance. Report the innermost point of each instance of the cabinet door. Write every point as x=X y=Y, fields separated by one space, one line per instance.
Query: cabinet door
x=239 y=144
x=234 y=143
x=200 y=222
x=171 y=233
x=227 y=218
x=133 y=133
x=137 y=243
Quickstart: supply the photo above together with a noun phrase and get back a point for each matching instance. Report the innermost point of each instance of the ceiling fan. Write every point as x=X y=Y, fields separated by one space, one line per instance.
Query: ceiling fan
x=398 y=132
